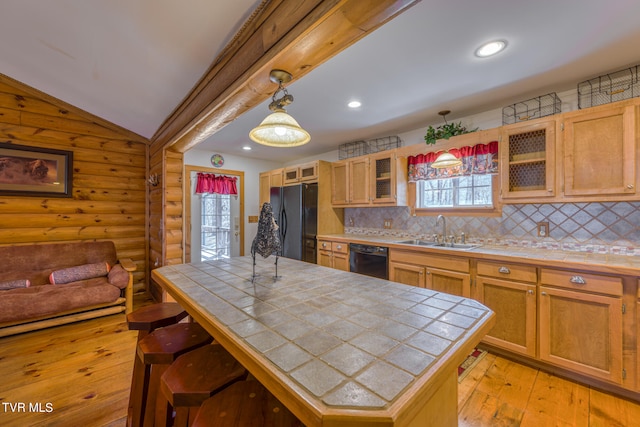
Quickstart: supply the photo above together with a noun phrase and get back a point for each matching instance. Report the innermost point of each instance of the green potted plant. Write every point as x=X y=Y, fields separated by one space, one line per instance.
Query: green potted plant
x=445 y=131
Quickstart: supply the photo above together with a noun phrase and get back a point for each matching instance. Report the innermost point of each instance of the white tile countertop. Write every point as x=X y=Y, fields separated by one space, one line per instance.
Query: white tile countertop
x=327 y=342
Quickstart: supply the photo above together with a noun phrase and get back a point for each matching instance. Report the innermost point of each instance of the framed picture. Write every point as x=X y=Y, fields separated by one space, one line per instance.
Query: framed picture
x=33 y=171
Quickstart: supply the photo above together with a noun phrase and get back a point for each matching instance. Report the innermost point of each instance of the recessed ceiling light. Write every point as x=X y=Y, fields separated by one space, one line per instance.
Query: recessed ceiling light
x=246 y=147
x=491 y=48
x=354 y=104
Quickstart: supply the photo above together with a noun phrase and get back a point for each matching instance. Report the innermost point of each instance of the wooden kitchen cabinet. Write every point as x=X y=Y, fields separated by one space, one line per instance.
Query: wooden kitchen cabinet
x=580 y=323
x=432 y=271
x=350 y=181
x=407 y=274
x=599 y=147
x=450 y=282
x=528 y=159
x=510 y=291
x=307 y=172
x=374 y=180
x=333 y=254
x=388 y=182
x=268 y=179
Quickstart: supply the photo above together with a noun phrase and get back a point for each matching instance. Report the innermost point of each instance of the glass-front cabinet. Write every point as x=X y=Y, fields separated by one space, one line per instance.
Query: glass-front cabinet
x=528 y=160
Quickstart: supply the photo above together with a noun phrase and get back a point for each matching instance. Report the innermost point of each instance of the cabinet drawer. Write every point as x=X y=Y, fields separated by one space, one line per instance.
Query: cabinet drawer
x=324 y=245
x=580 y=281
x=340 y=247
x=503 y=270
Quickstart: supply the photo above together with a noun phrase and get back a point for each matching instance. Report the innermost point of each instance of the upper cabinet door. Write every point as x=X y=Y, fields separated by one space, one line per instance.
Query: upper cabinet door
x=600 y=152
x=340 y=183
x=383 y=177
x=359 y=181
x=528 y=160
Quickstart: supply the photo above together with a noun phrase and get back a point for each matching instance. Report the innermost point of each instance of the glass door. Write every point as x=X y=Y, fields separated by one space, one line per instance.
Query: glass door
x=214 y=225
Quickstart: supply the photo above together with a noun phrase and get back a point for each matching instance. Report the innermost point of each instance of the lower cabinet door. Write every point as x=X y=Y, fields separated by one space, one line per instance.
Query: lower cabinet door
x=450 y=282
x=582 y=332
x=324 y=258
x=407 y=273
x=515 y=307
x=341 y=261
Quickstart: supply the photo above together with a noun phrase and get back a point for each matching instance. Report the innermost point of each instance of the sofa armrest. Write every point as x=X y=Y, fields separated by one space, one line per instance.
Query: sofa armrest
x=129 y=266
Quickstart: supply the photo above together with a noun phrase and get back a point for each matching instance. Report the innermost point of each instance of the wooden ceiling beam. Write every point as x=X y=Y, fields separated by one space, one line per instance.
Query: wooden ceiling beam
x=294 y=35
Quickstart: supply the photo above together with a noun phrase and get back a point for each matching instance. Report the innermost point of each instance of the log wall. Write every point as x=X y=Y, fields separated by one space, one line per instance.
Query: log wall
x=109 y=194
x=165 y=213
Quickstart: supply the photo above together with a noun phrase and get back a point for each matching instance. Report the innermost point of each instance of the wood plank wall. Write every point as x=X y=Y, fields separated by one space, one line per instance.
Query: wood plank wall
x=109 y=177
x=165 y=213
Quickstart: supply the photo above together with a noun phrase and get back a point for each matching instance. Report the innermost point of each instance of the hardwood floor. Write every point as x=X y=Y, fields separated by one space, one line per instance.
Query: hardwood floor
x=499 y=392
x=79 y=375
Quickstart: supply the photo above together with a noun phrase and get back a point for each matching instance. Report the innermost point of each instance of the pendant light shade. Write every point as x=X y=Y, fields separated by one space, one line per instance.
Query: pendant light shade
x=446 y=160
x=279 y=129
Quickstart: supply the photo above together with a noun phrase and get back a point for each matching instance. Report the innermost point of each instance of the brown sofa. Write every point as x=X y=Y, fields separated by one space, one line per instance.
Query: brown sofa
x=43 y=304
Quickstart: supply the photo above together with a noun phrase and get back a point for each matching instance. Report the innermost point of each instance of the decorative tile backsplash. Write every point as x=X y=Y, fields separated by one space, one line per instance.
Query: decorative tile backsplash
x=608 y=228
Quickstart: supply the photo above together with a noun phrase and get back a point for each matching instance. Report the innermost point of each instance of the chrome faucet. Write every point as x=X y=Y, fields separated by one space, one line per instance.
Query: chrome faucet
x=444 y=227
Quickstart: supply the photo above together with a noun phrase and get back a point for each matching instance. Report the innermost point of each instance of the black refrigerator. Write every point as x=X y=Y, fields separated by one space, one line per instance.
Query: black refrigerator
x=295 y=208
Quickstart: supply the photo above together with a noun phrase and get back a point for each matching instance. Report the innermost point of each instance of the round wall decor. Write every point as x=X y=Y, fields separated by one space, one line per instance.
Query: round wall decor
x=217 y=160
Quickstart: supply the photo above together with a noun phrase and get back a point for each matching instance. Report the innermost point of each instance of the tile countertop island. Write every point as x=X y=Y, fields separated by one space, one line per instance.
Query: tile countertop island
x=336 y=348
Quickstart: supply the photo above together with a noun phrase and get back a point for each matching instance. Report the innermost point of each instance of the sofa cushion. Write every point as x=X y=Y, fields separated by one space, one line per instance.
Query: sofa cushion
x=36 y=262
x=118 y=276
x=13 y=284
x=80 y=272
x=45 y=300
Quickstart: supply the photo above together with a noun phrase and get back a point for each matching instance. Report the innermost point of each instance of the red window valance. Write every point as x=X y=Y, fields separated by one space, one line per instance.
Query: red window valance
x=218 y=184
x=479 y=159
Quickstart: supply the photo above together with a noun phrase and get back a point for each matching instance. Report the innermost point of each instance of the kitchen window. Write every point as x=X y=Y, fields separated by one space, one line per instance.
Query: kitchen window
x=469 y=188
x=472 y=191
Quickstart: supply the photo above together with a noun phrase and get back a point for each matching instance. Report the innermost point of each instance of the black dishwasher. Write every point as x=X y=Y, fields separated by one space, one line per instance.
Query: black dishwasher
x=369 y=260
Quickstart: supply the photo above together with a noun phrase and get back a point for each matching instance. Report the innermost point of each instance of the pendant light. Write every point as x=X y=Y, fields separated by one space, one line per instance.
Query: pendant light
x=279 y=129
x=446 y=159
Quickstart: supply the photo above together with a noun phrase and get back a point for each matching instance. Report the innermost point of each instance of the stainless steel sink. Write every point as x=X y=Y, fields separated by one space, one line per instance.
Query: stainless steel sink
x=459 y=246
x=417 y=242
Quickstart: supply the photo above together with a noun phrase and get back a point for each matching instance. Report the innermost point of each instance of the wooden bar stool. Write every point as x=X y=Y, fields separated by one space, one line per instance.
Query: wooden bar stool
x=193 y=378
x=157 y=351
x=245 y=403
x=145 y=320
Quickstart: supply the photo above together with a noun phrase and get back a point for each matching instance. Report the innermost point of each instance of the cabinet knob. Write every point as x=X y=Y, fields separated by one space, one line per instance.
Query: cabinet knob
x=549 y=190
x=578 y=280
x=530 y=292
x=339 y=247
x=630 y=186
x=504 y=270
x=544 y=294
x=324 y=245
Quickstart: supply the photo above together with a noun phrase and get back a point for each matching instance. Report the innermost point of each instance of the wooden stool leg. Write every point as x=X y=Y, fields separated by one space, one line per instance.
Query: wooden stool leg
x=154 y=396
x=182 y=417
x=138 y=396
x=164 y=412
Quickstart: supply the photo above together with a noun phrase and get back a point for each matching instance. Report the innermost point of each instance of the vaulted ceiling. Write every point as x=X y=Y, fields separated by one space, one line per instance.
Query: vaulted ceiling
x=133 y=62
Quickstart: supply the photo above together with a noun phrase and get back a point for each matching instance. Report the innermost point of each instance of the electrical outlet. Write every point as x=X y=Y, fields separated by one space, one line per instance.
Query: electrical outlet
x=388 y=223
x=543 y=229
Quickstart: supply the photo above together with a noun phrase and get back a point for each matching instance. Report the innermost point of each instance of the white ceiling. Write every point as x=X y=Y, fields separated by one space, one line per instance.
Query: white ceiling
x=133 y=61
